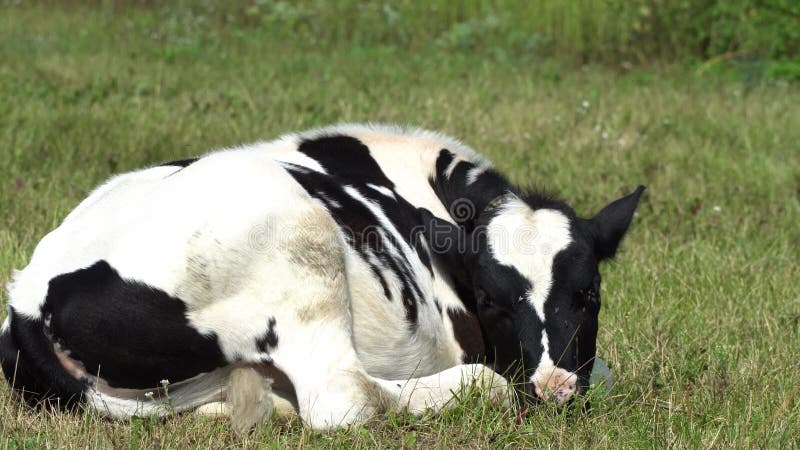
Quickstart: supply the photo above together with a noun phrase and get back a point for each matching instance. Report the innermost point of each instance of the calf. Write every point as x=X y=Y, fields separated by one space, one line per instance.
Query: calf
x=339 y=273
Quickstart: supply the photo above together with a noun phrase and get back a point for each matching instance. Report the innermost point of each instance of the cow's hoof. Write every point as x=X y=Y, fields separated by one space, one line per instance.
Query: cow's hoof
x=214 y=410
x=495 y=384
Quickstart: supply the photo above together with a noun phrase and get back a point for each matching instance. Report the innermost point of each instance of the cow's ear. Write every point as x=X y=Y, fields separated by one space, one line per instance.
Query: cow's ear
x=449 y=243
x=611 y=223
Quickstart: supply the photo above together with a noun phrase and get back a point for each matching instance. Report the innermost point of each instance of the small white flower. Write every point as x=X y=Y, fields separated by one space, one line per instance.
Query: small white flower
x=585 y=104
x=604 y=135
x=717 y=208
x=165 y=382
x=149 y=395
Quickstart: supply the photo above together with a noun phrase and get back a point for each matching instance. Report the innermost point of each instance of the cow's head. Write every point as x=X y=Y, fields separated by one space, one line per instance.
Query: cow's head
x=534 y=276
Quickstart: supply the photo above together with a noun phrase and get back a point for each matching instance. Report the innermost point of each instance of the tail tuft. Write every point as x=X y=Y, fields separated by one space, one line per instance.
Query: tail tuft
x=250 y=399
x=34 y=371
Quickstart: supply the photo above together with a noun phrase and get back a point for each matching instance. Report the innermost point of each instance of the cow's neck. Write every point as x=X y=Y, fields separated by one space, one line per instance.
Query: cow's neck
x=466 y=189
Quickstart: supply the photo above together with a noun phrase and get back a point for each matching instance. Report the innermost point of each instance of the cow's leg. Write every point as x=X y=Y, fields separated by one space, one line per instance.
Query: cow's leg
x=331 y=386
x=417 y=395
x=314 y=330
x=289 y=307
x=439 y=391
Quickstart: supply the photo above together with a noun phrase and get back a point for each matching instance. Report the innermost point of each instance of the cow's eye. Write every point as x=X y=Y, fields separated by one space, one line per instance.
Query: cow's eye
x=589 y=295
x=592 y=295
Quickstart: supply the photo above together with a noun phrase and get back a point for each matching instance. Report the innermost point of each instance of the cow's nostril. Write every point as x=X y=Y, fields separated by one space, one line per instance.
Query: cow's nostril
x=554 y=384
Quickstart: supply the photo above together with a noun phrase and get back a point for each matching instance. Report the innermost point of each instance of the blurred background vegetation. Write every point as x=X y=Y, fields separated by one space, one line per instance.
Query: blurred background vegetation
x=754 y=39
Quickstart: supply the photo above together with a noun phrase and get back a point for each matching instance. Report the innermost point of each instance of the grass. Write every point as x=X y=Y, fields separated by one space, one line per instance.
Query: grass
x=701 y=315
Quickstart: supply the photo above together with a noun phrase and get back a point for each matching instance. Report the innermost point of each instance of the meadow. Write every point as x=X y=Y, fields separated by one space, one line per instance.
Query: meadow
x=701 y=310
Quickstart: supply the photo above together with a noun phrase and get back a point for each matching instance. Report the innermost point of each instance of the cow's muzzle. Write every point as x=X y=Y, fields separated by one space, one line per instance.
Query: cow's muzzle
x=551 y=383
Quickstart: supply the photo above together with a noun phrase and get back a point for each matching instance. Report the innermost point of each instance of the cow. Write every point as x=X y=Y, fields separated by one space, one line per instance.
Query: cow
x=335 y=273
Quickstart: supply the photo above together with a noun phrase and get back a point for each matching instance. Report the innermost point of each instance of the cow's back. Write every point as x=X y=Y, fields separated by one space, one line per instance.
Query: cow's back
x=146 y=223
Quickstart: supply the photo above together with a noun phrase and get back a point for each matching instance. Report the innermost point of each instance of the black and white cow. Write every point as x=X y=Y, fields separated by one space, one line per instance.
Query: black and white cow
x=338 y=272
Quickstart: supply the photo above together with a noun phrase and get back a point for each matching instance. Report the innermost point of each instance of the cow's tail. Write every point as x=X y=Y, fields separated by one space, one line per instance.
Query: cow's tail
x=241 y=393
x=31 y=365
x=40 y=375
x=186 y=395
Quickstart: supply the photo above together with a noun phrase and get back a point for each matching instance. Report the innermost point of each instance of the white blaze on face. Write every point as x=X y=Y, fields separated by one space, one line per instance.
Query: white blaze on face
x=528 y=241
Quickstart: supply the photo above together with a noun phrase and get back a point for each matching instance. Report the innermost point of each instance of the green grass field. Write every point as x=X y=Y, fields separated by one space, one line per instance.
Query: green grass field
x=701 y=315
